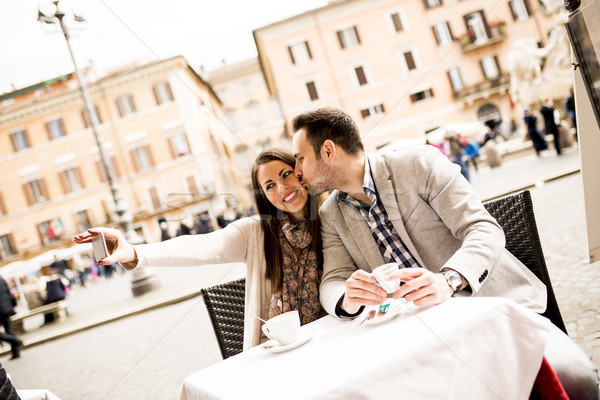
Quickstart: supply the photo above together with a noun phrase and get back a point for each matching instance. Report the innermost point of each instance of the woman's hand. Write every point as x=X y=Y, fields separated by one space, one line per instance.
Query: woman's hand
x=118 y=248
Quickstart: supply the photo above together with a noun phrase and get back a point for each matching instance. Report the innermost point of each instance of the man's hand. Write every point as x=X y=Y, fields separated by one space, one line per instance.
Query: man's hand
x=421 y=286
x=362 y=290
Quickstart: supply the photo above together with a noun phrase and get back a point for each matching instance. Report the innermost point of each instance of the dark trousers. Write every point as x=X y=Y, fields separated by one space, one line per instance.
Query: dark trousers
x=8 y=335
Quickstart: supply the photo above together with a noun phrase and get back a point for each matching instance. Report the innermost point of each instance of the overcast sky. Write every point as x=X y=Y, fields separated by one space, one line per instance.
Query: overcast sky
x=119 y=31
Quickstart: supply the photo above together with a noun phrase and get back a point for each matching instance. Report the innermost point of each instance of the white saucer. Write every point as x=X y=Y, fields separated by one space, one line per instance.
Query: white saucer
x=273 y=346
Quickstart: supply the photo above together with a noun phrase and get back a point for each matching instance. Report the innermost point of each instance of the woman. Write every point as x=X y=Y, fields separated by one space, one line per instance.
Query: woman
x=281 y=247
x=538 y=139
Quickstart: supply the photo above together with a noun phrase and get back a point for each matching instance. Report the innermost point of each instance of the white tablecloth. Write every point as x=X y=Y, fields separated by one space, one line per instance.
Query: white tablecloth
x=465 y=348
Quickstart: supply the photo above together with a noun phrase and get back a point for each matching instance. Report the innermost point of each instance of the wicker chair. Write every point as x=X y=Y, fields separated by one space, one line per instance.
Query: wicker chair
x=225 y=305
x=515 y=215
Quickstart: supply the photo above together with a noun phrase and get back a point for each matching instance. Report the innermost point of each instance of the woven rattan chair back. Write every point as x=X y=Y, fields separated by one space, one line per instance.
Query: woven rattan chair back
x=225 y=305
x=515 y=215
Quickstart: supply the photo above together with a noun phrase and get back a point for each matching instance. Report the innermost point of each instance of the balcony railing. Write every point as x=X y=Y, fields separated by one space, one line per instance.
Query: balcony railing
x=484 y=89
x=469 y=41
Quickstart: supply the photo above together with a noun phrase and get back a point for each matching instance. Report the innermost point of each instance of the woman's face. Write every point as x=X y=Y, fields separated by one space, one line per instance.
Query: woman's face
x=282 y=187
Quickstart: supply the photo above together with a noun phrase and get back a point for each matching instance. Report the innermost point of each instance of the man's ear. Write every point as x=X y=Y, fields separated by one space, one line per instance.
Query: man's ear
x=328 y=150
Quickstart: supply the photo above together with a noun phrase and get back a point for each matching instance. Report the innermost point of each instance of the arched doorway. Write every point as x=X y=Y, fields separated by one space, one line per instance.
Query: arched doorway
x=489 y=114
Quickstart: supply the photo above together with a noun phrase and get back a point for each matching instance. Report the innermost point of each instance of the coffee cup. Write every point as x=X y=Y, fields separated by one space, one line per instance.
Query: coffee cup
x=384 y=270
x=284 y=328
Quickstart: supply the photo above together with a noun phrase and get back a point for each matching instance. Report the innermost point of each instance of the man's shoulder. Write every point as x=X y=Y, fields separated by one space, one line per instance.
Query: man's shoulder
x=404 y=158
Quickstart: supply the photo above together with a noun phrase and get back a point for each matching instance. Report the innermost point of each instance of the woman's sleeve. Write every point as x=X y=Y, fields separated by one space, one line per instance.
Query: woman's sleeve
x=223 y=246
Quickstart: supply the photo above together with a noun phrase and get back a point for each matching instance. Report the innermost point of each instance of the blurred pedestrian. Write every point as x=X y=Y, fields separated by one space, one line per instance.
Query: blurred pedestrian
x=202 y=224
x=471 y=149
x=164 y=231
x=183 y=230
x=60 y=265
x=456 y=154
x=55 y=291
x=538 y=139
x=570 y=109
x=7 y=304
x=550 y=126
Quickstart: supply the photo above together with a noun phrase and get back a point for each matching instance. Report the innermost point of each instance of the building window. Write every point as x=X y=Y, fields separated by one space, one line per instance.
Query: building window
x=142 y=158
x=372 y=110
x=162 y=93
x=179 y=145
x=300 y=52
x=19 y=140
x=432 y=3
x=7 y=246
x=455 y=79
x=254 y=113
x=71 y=180
x=311 y=88
x=397 y=22
x=2 y=206
x=410 y=62
x=348 y=37
x=113 y=164
x=442 y=33
x=86 y=120
x=421 y=95
x=55 y=129
x=125 y=105
x=35 y=191
x=50 y=231
x=82 y=220
x=519 y=9
x=361 y=77
x=477 y=27
x=490 y=67
x=243 y=157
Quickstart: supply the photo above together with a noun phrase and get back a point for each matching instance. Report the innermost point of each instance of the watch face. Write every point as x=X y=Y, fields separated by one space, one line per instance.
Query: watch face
x=454 y=280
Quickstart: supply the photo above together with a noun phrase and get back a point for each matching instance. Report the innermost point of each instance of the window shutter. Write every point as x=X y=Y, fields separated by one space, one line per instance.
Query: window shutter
x=512 y=10
x=174 y=155
x=79 y=177
x=101 y=173
x=115 y=167
x=2 y=206
x=397 y=22
x=436 y=34
x=497 y=65
x=410 y=61
x=365 y=113
x=155 y=92
x=134 y=159
x=156 y=204
x=526 y=3
x=291 y=54
x=63 y=182
x=308 y=50
x=44 y=189
x=360 y=75
x=426 y=3
x=312 y=90
x=449 y=30
x=11 y=243
x=130 y=99
x=193 y=188
x=13 y=140
x=150 y=157
x=28 y=194
x=48 y=131
x=356 y=33
x=86 y=122
x=119 y=106
x=341 y=39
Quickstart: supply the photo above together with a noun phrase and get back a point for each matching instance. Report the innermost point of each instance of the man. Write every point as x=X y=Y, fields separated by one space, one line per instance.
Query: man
x=412 y=207
x=6 y=310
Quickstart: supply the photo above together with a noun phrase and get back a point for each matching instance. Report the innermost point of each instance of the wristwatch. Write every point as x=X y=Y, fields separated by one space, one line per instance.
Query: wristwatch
x=453 y=278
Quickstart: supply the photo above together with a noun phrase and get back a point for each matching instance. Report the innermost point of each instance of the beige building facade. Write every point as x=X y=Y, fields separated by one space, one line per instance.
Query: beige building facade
x=400 y=68
x=250 y=112
x=160 y=123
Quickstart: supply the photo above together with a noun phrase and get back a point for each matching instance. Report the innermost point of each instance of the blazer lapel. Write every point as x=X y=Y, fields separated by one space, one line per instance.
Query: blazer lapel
x=388 y=195
x=361 y=233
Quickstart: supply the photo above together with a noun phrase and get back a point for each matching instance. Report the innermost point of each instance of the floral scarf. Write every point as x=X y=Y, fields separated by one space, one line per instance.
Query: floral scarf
x=301 y=274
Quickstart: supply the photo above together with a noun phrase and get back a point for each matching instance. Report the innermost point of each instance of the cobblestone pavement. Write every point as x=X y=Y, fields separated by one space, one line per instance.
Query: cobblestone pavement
x=147 y=356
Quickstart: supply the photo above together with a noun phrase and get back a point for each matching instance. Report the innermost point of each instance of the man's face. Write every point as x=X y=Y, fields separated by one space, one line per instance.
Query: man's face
x=312 y=172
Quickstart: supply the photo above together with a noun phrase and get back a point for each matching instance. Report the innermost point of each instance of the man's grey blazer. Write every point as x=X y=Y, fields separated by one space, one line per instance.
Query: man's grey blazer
x=439 y=218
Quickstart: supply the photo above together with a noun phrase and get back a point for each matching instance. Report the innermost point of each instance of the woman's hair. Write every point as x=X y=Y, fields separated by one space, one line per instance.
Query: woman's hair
x=271 y=216
x=329 y=123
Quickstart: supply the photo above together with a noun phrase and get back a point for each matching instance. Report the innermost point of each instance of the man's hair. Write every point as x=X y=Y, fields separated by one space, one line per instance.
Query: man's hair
x=329 y=124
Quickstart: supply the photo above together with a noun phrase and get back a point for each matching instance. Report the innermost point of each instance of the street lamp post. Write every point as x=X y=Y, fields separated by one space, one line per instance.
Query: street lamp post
x=143 y=280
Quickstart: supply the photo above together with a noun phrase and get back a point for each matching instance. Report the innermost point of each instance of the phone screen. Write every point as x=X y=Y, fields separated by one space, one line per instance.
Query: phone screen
x=99 y=246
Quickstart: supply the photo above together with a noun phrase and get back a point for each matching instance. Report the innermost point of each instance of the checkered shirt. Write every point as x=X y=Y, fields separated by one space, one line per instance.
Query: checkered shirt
x=390 y=244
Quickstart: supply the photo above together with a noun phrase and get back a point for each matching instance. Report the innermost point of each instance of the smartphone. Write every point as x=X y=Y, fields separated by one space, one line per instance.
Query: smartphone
x=99 y=246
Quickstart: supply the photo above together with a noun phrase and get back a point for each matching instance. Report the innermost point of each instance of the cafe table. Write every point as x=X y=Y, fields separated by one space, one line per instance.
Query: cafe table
x=464 y=348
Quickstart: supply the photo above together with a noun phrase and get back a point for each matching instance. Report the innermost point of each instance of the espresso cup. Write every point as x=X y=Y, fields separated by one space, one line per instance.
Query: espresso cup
x=384 y=270
x=285 y=328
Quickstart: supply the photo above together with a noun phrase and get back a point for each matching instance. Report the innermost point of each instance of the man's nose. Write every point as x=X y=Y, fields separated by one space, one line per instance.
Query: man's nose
x=298 y=171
